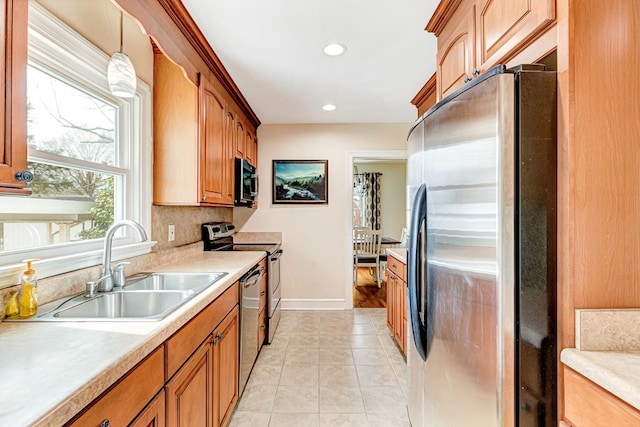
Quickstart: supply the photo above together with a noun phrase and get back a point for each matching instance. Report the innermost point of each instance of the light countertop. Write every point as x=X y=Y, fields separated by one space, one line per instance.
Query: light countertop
x=608 y=351
x=50 y=371
x=398 y=253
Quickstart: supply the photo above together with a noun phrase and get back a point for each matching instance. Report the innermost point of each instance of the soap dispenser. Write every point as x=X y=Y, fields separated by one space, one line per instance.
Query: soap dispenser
x=28 y=297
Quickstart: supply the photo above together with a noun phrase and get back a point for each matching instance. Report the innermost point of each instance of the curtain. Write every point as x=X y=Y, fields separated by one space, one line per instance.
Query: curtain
x=372 y=199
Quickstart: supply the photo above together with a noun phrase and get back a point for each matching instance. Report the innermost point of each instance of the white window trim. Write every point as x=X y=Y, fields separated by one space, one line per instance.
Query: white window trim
x=57 y=45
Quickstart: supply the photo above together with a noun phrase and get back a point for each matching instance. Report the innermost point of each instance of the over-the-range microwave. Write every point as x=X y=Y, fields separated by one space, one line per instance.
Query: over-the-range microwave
x=246 y=183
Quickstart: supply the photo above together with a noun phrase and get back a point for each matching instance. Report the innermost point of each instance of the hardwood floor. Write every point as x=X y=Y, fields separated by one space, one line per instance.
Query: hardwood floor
x=367 y=294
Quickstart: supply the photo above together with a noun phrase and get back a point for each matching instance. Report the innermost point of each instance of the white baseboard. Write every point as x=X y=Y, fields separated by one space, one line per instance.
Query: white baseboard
x=312 y=304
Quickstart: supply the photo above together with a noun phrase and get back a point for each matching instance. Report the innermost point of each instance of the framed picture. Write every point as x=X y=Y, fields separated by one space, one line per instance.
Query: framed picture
x=300 y=182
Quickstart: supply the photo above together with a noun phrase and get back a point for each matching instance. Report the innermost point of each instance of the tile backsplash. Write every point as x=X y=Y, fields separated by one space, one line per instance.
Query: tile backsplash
x=187 y=220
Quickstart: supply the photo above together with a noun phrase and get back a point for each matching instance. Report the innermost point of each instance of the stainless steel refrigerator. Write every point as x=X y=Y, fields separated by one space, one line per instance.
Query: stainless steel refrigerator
x=482 y=254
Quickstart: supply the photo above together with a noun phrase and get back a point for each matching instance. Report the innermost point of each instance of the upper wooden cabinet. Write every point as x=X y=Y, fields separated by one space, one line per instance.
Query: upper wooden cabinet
x=216 y=157
x=474 y=35
x=456 y=57
x=13 y=54
x=506 y=27
x=193 y=157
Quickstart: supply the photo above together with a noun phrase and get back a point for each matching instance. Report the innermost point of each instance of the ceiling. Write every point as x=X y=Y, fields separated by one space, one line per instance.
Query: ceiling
x=273 y=51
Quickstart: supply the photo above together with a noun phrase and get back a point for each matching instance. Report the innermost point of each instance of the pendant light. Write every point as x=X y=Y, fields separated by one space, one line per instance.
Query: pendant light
x=120 y=72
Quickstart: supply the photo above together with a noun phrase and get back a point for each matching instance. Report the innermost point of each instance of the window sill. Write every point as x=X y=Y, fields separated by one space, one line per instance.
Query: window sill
x=10 y=274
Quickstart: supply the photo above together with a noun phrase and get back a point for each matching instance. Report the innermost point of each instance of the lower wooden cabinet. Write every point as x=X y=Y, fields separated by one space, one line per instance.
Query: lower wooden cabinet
x=189 y=393
x=588 y=405
x=119 y=405
x=225 y=368
x=397 y=301
x=153 y=415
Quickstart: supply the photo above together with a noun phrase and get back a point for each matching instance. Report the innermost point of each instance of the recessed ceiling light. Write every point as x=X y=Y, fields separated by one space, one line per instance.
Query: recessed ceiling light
x=328 y=107
x=334 y=49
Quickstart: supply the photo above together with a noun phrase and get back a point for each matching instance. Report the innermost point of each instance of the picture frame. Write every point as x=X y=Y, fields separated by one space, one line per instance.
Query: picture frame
x=300 y=182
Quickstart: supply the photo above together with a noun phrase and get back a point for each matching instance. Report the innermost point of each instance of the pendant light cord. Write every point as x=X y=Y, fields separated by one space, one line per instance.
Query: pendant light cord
x=121 y=29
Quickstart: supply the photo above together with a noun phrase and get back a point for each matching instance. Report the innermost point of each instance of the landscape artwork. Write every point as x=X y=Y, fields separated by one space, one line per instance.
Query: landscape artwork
x=300 y=181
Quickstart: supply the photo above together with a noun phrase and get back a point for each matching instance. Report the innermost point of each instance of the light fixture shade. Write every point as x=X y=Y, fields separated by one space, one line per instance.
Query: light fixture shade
x=121 y=76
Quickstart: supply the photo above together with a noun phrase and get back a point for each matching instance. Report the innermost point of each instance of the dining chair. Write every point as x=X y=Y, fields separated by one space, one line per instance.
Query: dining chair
x=366 y=253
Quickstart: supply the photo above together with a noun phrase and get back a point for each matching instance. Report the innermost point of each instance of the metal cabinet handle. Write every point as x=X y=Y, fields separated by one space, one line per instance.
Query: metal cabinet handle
x=262 y=293
x=475 y=72
x=263 y=327
x=204 y=197
x=467 y=79
x=26 y=176
x=104 y=423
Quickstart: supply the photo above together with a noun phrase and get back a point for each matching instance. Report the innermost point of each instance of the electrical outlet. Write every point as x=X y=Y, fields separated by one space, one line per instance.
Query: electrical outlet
x=172 y=232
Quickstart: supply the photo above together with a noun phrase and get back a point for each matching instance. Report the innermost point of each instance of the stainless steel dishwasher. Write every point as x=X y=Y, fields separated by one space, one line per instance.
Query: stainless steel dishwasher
x=249 y=298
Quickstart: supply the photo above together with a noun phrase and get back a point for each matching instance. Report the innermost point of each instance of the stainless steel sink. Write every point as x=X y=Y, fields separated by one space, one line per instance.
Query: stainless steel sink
x=149 y=305
x=145 y=297
x=171 y=281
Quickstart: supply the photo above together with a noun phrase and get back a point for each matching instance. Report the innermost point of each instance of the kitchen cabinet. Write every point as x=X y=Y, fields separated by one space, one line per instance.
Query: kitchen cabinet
x=204 y=388
x=140 y=385
x=474 y=35
x=193 y=157
x=251 y=146
x=204 y=391
x=189 y=392
x=225 y=347
x=588 y=405
x=13 y=51
x=397 y=301
x=153 y=415
x=456 y=54
x=426 y=97
x=216 y=157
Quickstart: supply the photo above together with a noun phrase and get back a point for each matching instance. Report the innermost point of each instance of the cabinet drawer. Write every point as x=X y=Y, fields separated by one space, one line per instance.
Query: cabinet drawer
x=129 y=396
x=396 y=267
x=588 y=405
x=184 y=342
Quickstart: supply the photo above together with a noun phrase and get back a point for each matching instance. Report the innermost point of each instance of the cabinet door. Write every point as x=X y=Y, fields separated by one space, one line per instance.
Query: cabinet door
x=225 y=368
x=251 y=147
x=13 y=58
x=505 y=27
x=153 y=415
x=140 y=385
x=189 y=393
x=397 y=320
x=215 y=162
x=390 y=298
x=240 y=147
x=456 y=51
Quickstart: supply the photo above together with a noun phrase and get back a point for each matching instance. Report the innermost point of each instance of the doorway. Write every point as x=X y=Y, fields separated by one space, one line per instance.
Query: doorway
x=363 y=287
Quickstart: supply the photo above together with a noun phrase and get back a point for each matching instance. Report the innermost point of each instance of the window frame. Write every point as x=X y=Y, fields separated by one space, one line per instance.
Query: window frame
x=59 y=50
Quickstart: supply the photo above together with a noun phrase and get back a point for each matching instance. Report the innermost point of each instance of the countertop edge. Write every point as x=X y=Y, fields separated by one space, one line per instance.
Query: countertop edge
x=616 y=372
x=399 y=253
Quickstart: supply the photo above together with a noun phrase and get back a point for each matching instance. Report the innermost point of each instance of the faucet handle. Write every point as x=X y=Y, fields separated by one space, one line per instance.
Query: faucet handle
x=93 y=286
x=119 y=274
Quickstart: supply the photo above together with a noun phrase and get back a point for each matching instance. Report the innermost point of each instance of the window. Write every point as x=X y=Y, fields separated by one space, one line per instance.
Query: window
x=89 y=151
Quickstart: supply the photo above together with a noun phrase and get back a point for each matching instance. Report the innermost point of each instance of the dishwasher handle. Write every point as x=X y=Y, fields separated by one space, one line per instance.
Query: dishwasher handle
x=252 y=278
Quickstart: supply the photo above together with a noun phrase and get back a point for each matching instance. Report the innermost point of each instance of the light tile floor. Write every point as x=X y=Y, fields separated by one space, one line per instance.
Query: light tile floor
x=327 y=368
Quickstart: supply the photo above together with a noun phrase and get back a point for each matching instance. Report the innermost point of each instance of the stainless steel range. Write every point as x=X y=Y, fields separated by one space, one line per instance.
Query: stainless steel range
x=218 y=236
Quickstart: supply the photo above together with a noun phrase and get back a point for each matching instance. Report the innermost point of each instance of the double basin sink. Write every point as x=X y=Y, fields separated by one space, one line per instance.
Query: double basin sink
x=145 y=297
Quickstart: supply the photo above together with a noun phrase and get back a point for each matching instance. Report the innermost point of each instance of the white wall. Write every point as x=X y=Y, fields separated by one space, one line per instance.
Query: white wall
x=393 y=209
x=314 y=265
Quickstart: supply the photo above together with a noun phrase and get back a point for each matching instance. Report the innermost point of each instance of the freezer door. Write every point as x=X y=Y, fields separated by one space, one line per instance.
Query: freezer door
x=469 y=175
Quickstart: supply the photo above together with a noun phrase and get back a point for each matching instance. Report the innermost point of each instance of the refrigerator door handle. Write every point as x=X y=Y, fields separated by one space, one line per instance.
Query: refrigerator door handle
x=417 y=272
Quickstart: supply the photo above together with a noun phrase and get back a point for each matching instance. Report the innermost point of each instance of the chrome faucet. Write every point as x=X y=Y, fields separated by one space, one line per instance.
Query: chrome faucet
x=106 y=284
